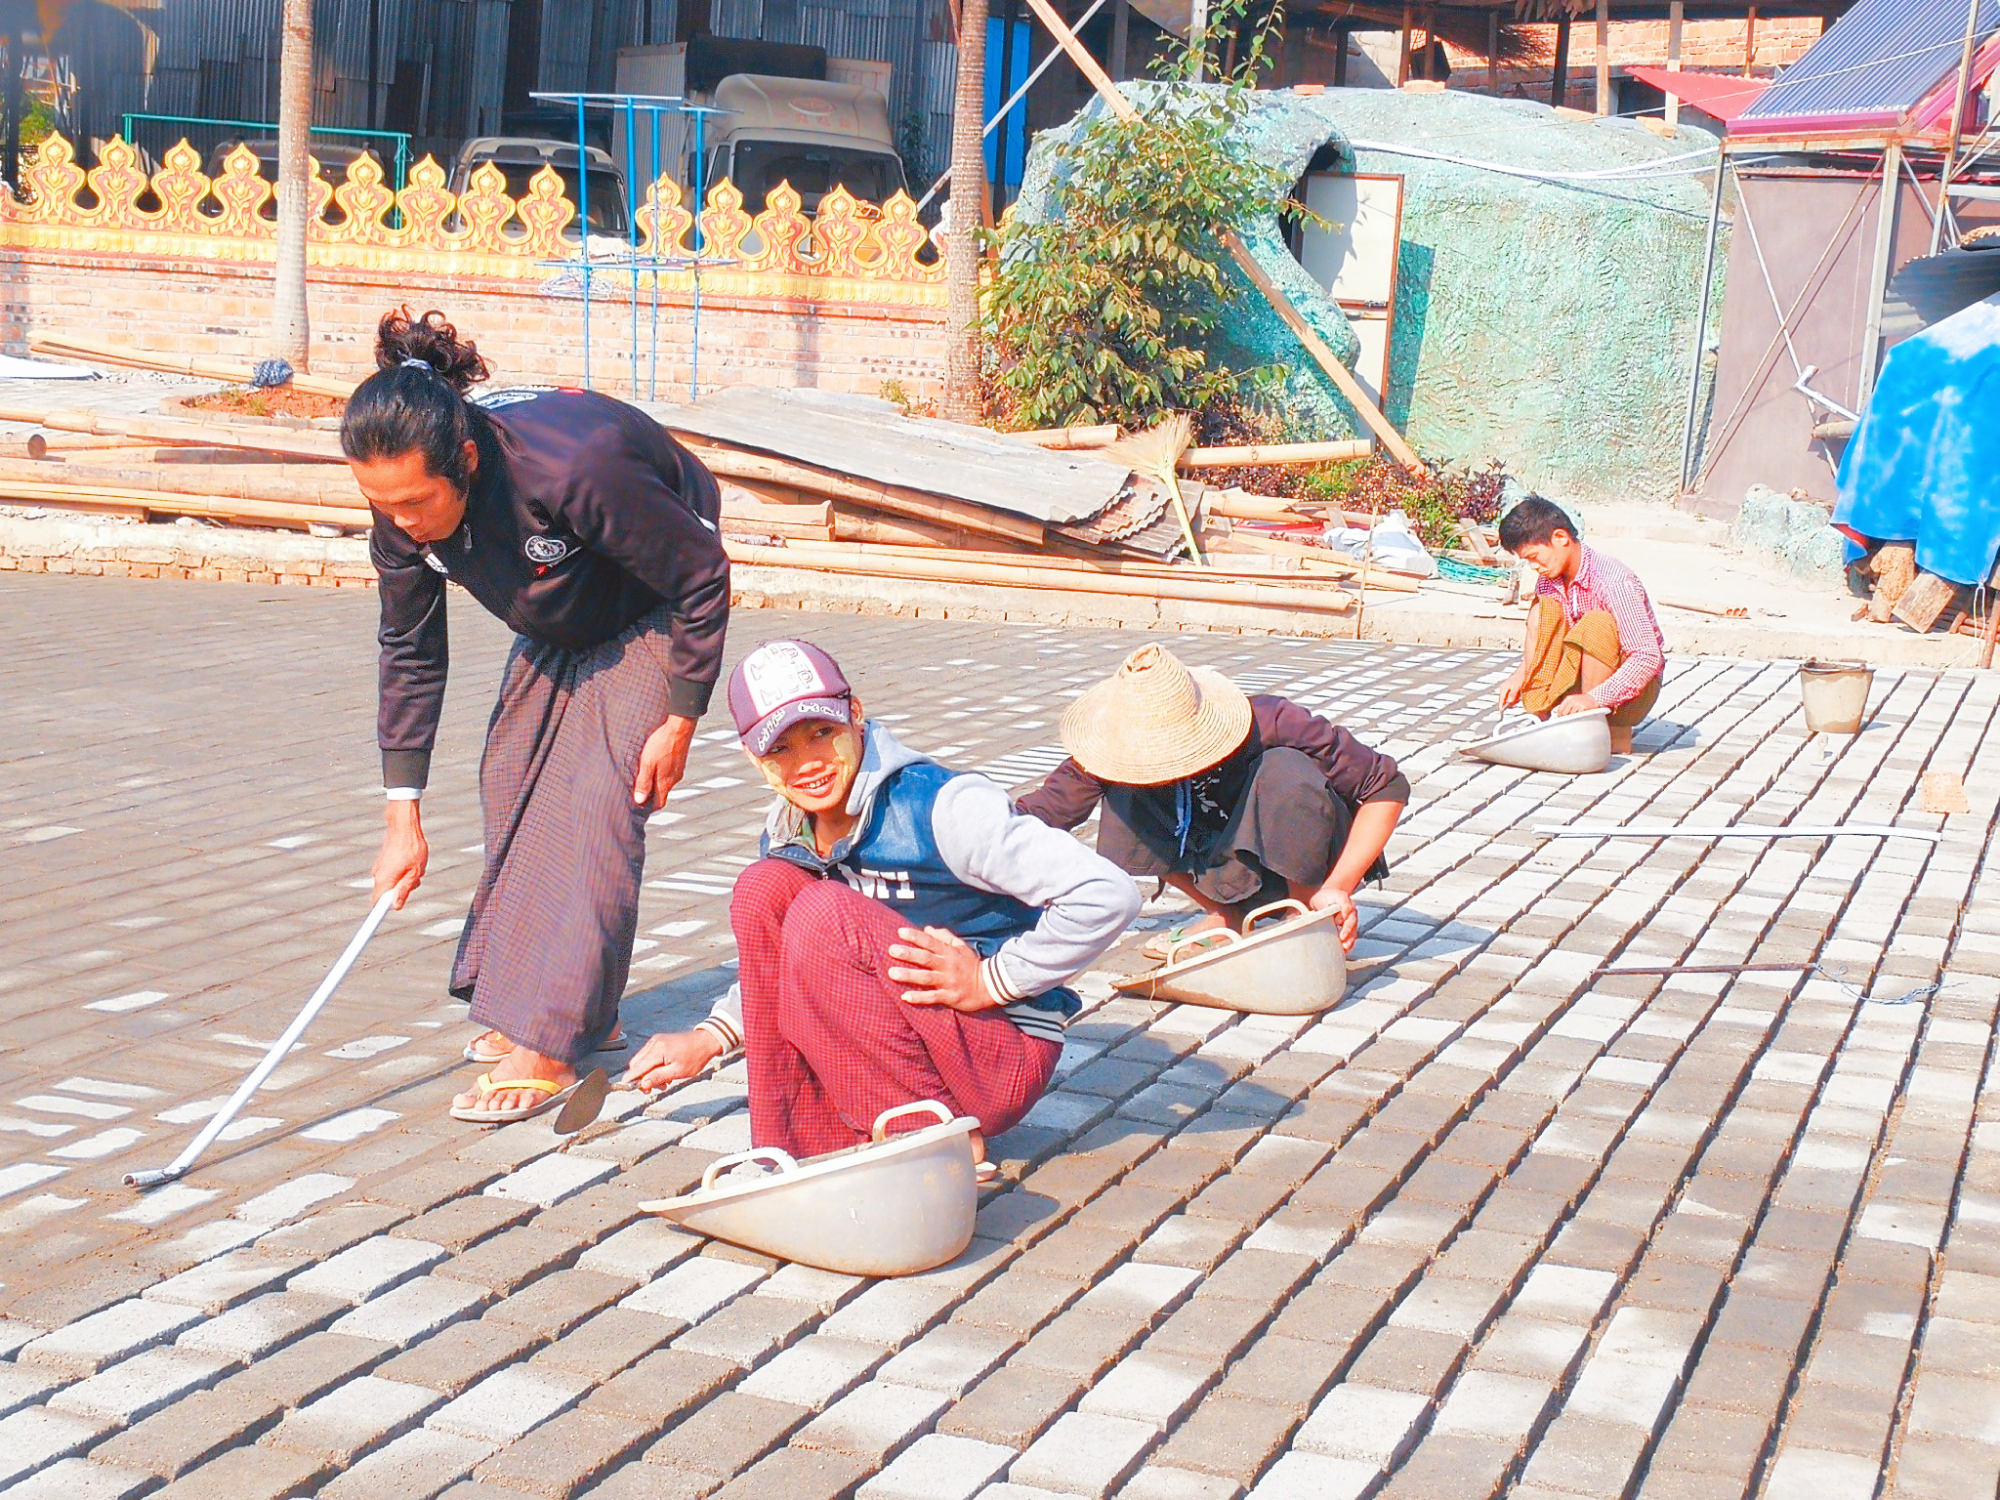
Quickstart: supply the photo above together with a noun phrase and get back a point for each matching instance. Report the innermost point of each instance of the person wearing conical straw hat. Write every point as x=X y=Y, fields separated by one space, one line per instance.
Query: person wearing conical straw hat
x=1233 y=801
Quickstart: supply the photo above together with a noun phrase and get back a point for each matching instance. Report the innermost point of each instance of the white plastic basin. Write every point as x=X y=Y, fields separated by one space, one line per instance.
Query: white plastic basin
x=1576 y=744
x=1292 y=968
x=892 y=1207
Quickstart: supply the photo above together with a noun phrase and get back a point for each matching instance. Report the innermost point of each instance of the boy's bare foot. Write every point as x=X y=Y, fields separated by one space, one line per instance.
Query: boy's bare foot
x=1621 y=740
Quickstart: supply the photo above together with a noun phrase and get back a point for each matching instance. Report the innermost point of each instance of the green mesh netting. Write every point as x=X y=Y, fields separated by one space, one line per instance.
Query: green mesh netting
x=1546 y=324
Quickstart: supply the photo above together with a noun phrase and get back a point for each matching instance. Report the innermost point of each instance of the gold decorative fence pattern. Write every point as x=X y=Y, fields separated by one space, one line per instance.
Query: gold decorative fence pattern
x=849 y=251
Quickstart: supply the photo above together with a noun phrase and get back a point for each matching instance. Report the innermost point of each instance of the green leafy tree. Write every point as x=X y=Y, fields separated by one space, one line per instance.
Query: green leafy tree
x=1101 y=310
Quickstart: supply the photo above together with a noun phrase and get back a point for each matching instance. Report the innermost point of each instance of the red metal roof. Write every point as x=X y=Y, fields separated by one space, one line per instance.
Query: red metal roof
x=1723 y=95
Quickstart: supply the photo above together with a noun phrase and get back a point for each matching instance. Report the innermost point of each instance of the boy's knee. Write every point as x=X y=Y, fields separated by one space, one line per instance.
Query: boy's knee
x=813 y=924
x=763 y=893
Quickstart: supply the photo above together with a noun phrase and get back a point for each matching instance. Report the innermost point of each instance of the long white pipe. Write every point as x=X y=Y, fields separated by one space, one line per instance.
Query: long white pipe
x=1637 y=171
x=271 y=1059
x=1731 y=831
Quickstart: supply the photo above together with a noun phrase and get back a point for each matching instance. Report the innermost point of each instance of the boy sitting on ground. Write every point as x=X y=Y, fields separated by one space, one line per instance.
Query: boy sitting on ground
x=1593 y=641
x=1235 y=802
x=907 y=934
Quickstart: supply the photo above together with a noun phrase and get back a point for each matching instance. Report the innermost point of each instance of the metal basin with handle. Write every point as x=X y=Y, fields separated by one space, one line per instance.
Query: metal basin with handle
x=1294 y=967
x=892 y=1206
x=1576 y=744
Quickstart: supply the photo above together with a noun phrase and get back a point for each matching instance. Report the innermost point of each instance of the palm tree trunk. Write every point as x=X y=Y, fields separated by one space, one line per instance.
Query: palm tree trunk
x=290 y=329
x=968 y=178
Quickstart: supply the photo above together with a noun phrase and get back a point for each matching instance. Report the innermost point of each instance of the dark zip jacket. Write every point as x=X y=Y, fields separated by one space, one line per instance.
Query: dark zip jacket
x=1354 y=773
x=584 y=516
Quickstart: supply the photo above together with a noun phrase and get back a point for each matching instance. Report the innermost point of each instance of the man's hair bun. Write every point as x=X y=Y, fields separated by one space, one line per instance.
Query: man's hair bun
x=401 y=338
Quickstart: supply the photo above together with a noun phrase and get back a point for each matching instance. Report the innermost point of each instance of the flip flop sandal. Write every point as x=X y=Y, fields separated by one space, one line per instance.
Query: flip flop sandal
x=475 y=1054
x=553 y=1094
x=1162 y=945
x=984 y=1172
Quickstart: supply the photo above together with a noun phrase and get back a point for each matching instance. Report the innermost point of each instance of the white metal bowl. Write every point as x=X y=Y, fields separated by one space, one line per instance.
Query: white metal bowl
x=891 y=1207
x=1576 y=744
x=1295 y=968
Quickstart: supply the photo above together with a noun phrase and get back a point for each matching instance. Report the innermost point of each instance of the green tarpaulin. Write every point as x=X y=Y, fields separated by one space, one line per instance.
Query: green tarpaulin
x=1547 y=321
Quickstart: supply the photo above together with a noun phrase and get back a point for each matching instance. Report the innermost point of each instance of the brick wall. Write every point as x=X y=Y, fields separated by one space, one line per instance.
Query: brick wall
x=109 y=549
x=37 y=543
x=1710 y=46
x=223 y=309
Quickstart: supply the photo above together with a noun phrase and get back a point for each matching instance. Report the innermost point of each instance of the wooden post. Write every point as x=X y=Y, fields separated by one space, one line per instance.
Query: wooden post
x=968 y=190
x=1121 y=32
x=291 y=327
x=1676 y=14
x=1884 y=263
x=1559 y=77
x=1750 y=41
x=1430 y=42
x=1604 y=57
x=1957 y=128
x=1342 y=377
x=1493 y=52
x=1340 y=43
x=1701 y=326
x=1403 y=46
x=16 y=55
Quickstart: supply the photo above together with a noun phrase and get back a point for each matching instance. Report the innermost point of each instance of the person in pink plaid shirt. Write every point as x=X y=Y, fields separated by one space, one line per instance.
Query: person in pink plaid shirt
x=1592 y=641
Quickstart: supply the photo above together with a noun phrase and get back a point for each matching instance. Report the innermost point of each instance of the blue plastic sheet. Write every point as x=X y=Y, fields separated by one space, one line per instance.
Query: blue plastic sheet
x=1924 y=462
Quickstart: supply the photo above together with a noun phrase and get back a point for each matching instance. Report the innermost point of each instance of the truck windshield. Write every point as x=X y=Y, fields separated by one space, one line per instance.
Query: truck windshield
x=813 y=171
x=607 y=193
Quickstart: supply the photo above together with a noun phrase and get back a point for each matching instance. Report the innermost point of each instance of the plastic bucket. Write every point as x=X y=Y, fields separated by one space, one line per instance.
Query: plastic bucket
x=1835 y=695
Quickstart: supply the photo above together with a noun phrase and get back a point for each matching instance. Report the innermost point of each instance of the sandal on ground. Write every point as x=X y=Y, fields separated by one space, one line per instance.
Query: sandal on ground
x=984 y=1172
x=1162 y=945
x=553 y=1095
x=474 y=1053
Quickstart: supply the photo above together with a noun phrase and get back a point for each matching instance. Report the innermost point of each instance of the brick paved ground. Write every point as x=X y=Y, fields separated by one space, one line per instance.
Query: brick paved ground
x=1493 y=1226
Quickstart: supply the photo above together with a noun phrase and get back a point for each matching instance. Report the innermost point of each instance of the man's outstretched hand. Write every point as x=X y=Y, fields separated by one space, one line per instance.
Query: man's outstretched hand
x=405 y=853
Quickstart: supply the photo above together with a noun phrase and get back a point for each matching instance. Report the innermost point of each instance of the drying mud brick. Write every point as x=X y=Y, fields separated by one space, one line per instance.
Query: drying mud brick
x=1669 y=1237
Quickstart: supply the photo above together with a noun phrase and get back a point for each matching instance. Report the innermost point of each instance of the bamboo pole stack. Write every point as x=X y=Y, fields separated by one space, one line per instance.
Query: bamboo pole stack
x=776 y=513
x=95 y=352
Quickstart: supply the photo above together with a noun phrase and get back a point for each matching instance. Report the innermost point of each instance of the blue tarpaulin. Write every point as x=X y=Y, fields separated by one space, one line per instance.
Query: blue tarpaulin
x=1924 y=463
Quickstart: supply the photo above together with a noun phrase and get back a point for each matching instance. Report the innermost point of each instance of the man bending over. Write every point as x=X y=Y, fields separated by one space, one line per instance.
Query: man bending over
x=1592 y=639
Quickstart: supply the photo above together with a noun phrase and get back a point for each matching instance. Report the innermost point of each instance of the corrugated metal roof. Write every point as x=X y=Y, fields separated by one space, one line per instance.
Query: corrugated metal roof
x=1874 y=65
x=867 y=438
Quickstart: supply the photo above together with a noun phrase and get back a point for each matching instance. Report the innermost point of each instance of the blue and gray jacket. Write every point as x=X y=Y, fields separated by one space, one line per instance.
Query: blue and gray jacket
x=947 y=849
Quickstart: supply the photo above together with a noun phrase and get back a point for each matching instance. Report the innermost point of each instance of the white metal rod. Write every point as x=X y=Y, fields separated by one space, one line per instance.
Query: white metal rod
x=271 y=1059
x=1957 y=126
x=1015 y=98
x=1731 y=831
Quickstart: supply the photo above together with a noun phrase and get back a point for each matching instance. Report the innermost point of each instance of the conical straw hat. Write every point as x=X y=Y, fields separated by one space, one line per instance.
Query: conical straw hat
x=1155 y=720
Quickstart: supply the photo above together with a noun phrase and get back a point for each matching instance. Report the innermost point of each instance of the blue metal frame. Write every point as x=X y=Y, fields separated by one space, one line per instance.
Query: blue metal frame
x=653 y=106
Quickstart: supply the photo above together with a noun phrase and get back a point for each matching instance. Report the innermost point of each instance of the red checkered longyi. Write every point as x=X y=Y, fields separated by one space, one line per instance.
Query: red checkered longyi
x=830 y=1044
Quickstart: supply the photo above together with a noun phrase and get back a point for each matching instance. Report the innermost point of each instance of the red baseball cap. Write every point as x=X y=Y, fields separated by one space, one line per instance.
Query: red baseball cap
x=780 y=683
